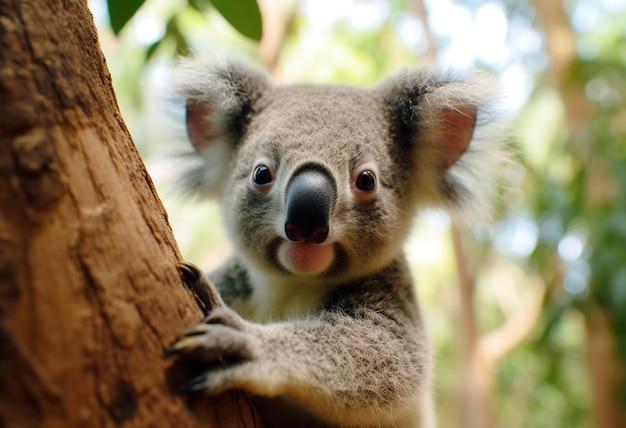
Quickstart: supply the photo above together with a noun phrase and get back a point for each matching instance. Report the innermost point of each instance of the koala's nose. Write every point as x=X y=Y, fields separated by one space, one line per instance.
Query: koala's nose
x=311 y=194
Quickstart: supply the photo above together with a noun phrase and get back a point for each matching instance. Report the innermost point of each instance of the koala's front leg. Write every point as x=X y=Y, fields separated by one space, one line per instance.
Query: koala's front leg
x=222 y=339
x=352 y=374
x=349 y=367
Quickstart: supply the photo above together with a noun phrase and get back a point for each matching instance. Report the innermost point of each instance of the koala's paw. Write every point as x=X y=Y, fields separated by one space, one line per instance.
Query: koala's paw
x=220 y=337
x=223 y=351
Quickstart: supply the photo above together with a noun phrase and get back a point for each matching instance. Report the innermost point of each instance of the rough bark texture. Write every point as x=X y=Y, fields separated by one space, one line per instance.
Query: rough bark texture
x=89 y=293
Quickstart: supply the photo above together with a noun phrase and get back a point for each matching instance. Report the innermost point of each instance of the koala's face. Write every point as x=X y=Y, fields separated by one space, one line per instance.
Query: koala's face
x=322 y=181
x=314 y=188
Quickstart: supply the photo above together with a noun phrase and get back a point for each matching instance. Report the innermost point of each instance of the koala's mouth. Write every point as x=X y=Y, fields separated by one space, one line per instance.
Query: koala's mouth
x=305 y=258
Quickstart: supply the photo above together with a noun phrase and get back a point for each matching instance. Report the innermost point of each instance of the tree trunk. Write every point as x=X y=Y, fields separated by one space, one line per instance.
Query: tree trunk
x=606 y=371
x=89 y=292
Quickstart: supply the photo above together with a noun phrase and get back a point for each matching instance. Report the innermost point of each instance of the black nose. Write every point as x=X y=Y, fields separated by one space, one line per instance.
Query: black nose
x=310 y=198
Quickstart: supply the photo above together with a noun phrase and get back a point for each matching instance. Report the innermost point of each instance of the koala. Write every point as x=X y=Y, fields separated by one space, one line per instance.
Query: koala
x=315 y=313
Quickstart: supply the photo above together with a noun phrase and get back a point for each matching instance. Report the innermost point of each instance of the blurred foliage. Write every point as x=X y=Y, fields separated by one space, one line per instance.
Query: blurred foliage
x=563 y=216
x=580 y=190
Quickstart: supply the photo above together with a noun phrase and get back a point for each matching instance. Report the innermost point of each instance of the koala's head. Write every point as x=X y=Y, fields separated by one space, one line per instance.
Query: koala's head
x=323 y=181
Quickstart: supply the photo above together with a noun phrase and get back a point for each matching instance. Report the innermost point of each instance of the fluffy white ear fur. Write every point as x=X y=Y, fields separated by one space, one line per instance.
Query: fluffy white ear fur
x=480 y=170
x=460 y=136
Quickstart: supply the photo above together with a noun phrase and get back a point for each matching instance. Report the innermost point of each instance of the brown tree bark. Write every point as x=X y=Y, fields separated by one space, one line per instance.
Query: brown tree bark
x=89 y=293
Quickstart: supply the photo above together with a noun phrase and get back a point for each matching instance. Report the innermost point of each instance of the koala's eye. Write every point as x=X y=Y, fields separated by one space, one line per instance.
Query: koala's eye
x=261 y=175
x=366 y=181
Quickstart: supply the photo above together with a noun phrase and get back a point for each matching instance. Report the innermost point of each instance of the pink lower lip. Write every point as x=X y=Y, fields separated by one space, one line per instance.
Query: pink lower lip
x=302 y=257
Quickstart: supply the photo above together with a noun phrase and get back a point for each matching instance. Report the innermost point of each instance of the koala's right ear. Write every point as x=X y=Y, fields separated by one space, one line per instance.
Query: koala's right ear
x=219 y=103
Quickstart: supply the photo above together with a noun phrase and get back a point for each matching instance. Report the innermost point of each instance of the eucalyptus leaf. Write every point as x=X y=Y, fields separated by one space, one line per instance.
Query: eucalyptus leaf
x=120 y=12
x=243 y=15
x=153 y=48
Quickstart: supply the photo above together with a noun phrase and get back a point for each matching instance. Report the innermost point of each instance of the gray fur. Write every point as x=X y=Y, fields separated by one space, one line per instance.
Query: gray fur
x=345 y=346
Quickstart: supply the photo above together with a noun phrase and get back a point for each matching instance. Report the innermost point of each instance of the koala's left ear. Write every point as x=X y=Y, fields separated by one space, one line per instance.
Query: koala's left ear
x=437 y=120
x=219 y=101
x=219 y=104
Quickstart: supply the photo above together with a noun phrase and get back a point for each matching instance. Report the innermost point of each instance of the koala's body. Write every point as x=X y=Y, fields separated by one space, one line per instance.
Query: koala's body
x=319 y=184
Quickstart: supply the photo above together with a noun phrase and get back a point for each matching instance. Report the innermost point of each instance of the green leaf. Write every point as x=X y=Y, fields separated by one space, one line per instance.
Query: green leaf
x=244 y=15
x=153 y=48
x=120 y=12
x=194 y=4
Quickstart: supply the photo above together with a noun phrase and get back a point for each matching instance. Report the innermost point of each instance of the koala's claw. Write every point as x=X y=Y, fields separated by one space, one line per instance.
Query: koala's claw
x=194 y=384
x=189 y=273
x=196 y=330
x=180 y=346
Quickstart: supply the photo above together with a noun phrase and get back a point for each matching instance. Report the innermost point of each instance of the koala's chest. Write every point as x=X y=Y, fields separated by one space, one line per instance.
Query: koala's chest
x=276 y=300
